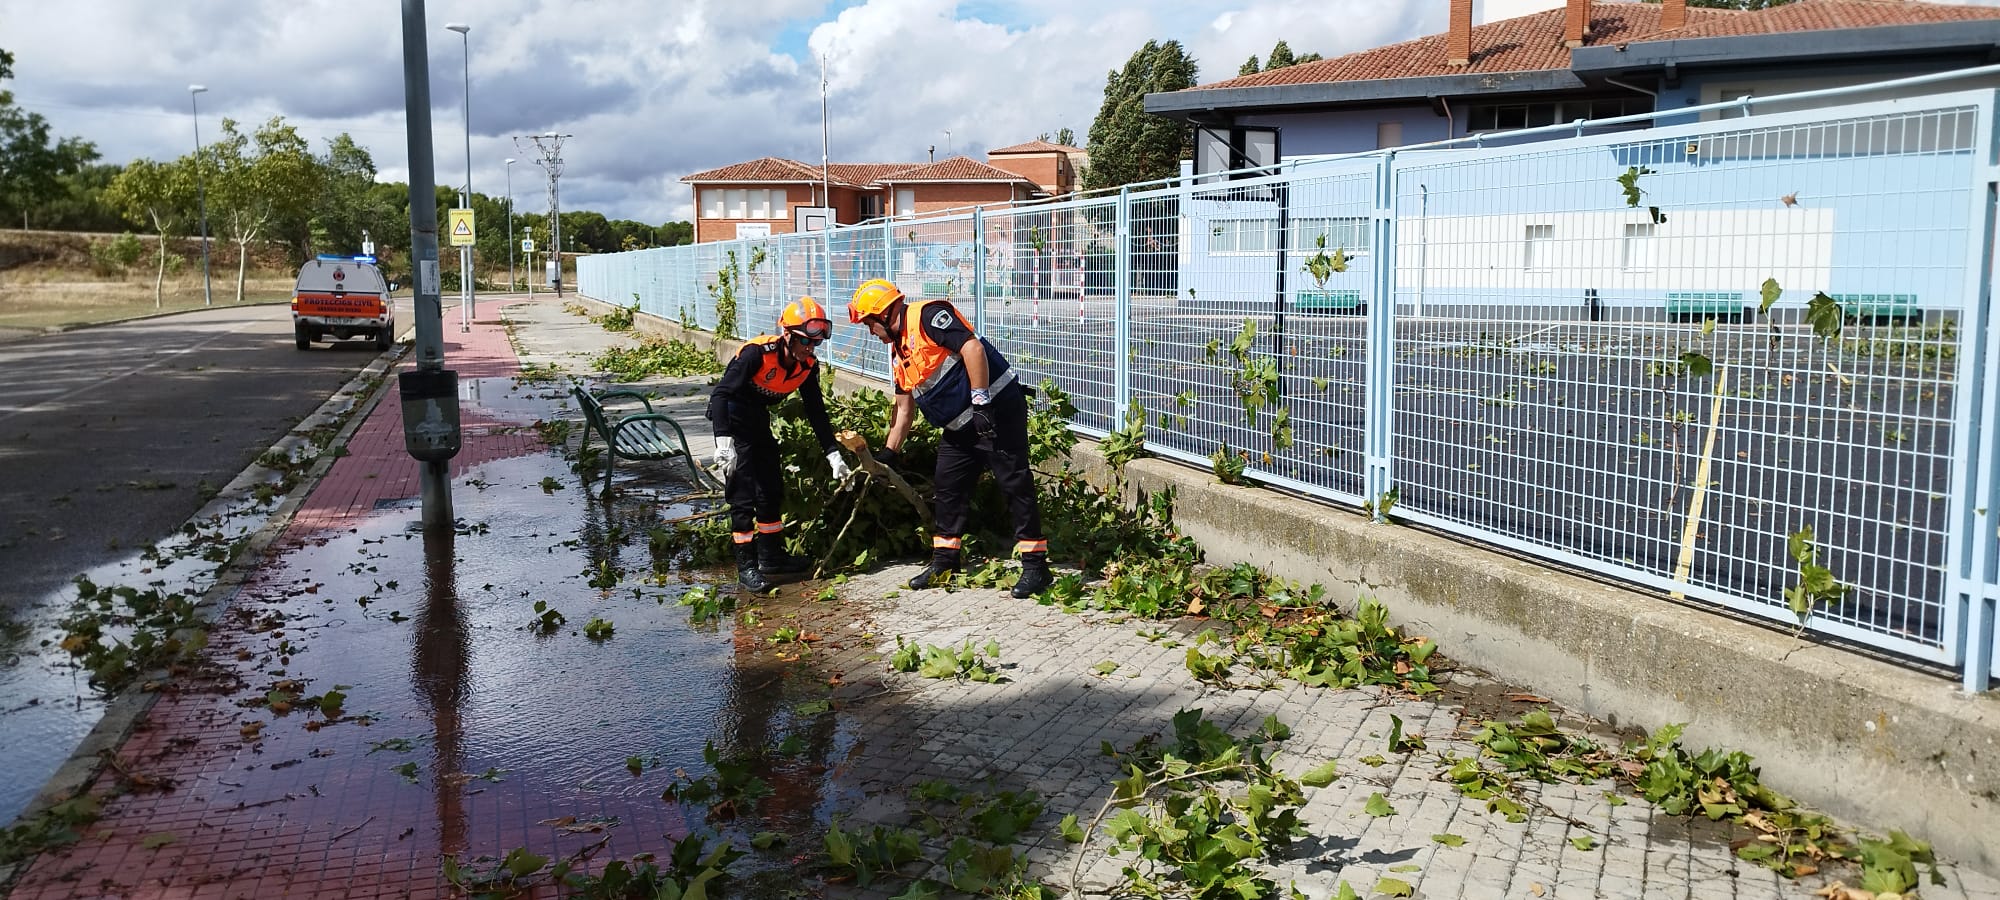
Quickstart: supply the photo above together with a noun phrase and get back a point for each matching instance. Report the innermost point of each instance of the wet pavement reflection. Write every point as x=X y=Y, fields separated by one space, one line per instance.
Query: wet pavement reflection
x=380 y=699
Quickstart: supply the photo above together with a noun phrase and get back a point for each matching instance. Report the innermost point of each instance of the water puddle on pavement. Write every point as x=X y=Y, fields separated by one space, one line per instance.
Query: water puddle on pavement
x=47 y=705
x=383 y=692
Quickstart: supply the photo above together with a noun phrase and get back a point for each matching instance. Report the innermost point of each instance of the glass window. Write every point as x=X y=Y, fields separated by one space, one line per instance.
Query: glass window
x=1536 y=246
x=1349 y=233
x=737 y=204
x=711 y=203
x=1638 y=247
x=780 y=204
x=906 y=203
x=1388 y=134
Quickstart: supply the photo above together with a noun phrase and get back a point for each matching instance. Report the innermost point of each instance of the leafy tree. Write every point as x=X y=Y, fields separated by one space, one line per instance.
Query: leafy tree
x=1309 y=57
x=350 y=206
x=264 y=182
x=1249 y=67
x=79 y=205
x=1128 y=144
x=674 y=234
x=1281 y=56
x=162 y=194
x=32 y=165
x=1066 y=136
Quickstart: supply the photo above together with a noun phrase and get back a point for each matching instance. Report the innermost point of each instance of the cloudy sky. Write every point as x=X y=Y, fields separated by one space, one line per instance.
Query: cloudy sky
x=651 y=90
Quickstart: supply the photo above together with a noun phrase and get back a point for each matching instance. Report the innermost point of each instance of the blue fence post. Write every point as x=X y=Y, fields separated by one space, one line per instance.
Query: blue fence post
x=1972 y=555
x=979 y=270
x=1121 y=315
x=1379 y=417
x=889 y=249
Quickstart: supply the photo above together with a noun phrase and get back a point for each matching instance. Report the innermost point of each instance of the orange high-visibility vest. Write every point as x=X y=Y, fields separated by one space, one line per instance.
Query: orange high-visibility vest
x=771 y=378
x=933 y=375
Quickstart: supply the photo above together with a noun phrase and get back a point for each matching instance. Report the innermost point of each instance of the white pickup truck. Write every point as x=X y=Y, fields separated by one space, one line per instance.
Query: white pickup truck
x=342 y=297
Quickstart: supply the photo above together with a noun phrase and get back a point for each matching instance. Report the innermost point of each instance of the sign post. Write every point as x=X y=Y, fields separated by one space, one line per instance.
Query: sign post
x=462 y=237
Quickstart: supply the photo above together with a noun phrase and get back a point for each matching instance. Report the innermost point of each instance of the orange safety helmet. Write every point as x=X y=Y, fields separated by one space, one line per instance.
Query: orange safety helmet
x=873 y=298
x=807 y=319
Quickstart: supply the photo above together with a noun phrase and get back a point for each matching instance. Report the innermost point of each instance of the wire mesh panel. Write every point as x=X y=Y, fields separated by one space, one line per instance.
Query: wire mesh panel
x=1048 y=302
x=855 y=254
x=1717 y=358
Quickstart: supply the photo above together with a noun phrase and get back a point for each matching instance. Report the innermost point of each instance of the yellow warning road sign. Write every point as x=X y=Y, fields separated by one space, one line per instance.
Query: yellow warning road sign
x=461 y=228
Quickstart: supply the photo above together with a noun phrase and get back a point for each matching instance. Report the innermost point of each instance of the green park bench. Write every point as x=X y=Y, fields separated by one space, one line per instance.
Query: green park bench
x=1328 y=301
x=634 y=436
x=1706 y=303
x=1879 y=306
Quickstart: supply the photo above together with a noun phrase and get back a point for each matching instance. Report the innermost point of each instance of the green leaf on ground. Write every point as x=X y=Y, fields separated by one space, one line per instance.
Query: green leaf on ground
x=1105 y=668
x=1449 y=840
x=635 y=765
x=1583 y=842
x=813 y=707
x=1378 y=805
x=1322 y=774
x=1394 y=887
x=765 y=840
x=156 y=841
x=408 y=770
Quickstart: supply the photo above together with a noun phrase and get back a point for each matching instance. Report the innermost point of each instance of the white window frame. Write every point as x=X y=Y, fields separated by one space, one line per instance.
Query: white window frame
x=1639 y=251
x=1537 y=248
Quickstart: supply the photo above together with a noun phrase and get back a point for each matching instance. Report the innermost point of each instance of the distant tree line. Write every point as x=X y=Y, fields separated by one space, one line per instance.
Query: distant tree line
x=264 y=185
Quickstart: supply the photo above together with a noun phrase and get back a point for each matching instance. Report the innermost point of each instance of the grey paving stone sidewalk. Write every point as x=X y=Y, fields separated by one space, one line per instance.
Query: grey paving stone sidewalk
x=1042 y=730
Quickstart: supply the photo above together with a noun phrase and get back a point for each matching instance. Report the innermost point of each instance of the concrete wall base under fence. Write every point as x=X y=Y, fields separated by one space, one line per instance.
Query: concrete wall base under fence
x=1862 y=739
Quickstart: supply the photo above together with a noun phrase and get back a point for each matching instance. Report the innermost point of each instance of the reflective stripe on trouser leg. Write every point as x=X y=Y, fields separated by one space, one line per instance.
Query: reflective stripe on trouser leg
x=770 y=527
x=943 y=542
x=1021 y=547
x=742 y=537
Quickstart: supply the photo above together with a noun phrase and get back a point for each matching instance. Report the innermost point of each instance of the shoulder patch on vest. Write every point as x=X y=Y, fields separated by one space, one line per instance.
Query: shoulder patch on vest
x=942 y=319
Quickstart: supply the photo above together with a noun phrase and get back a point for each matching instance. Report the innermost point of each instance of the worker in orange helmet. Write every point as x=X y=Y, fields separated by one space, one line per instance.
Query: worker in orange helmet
x=746 y=453
x=965 y=387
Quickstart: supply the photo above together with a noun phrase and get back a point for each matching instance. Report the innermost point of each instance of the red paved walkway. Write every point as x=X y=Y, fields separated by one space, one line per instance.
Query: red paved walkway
x=379 y=469
x=263 y=804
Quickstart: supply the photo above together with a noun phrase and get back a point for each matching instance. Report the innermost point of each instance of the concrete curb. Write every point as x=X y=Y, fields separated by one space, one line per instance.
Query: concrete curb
x=355 y=400
x=1863 y=739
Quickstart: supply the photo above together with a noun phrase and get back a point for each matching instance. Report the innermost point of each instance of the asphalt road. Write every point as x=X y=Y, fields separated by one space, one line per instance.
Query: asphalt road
x=109 y=435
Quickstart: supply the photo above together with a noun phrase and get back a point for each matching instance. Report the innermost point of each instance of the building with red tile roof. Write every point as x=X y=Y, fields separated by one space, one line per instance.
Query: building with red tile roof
x=1589 y=59
x=762 y=196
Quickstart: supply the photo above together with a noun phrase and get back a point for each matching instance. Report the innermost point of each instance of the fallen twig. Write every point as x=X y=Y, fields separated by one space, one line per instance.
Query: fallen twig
x=364 y=824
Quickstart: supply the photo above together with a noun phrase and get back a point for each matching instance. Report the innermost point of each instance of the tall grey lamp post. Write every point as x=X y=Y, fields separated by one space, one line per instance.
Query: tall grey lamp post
x=201 y=191
x=510 y=223
x=466 y=293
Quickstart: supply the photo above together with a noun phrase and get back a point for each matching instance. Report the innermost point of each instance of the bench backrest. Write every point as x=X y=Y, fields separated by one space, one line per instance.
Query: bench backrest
x=593 y=411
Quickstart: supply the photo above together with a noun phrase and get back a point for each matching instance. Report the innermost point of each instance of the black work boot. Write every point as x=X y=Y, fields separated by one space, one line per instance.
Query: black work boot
x=943 y=562
x=1035 y=577
x=773 y=560
x=746 y=569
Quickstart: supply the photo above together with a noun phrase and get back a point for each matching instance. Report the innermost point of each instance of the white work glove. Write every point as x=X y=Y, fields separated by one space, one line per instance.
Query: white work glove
x=726 y=459
x=839 y=463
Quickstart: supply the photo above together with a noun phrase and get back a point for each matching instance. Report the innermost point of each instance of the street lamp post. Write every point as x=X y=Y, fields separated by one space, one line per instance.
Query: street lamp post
x=468 y=296
x=201 y=191
x=510 y=223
